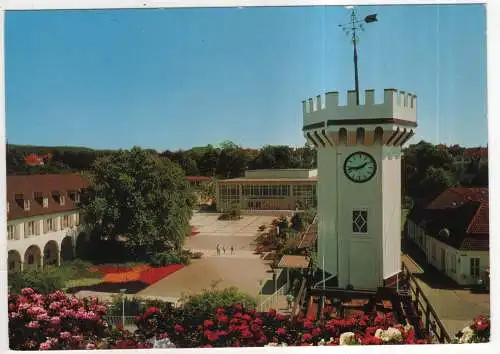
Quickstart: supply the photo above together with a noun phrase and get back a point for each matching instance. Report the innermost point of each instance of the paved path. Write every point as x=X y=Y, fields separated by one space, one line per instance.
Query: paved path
x=245 y=254
x=243 y=269
x=454 y=307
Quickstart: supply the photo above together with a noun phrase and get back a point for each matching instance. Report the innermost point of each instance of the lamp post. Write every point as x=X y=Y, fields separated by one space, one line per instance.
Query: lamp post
x=350 y=28
x=122 y=291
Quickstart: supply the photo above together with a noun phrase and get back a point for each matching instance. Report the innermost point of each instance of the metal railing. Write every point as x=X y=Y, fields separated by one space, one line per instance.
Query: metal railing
x=118 y=320
x=432 y=323
x=272 y=301
x=301 y=297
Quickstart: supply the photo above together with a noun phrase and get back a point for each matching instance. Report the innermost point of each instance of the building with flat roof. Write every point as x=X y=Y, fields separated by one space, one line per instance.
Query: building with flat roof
x=277 y=189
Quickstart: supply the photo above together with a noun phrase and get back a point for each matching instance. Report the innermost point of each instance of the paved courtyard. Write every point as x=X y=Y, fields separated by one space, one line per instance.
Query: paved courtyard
x=455 y=307
x=242 y=269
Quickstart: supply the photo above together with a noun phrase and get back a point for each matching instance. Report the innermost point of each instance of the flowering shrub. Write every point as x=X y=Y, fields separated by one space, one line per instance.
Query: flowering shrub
x=60 y=322
x=236 y=327
x=477 y=332
x=54 y=321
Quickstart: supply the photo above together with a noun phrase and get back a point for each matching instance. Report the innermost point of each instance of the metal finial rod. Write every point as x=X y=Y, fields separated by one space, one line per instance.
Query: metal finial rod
x=351 y=28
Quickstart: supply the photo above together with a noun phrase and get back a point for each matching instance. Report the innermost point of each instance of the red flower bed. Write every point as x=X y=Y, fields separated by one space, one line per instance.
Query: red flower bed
x=143 y=273
x=152 y=275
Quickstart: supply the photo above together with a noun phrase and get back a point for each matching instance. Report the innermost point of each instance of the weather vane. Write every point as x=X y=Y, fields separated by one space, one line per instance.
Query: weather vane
x=350 y=29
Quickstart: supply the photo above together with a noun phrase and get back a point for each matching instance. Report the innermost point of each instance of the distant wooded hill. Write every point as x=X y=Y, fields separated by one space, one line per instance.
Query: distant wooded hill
x=427 y=169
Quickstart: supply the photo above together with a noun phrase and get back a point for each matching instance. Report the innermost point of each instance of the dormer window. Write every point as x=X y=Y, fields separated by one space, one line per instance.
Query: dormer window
x=26 y=205
x=45 y=202
x=74 y=196
x=58 y=197
x=38 y=196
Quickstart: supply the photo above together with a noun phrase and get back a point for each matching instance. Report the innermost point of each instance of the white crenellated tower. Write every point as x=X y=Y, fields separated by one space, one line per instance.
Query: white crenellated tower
x=359 y=187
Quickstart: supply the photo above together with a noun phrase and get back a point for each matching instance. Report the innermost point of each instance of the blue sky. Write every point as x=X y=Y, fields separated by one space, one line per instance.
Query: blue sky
x=178 y=78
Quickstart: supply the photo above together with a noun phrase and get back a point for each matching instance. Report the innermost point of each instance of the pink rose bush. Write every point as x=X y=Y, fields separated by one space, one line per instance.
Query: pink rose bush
x=478 y=331
x=60 y=322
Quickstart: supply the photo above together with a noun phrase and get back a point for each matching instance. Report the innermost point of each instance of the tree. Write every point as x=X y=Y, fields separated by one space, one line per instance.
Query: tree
x=207 y=162
x=481 y=178
x=141 y=197
x=297 y=221
x=207 y=190
x=435 y=182
x=418 y=159
x=233 y=160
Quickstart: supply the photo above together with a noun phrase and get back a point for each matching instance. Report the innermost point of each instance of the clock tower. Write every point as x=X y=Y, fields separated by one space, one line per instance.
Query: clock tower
x=359 y=183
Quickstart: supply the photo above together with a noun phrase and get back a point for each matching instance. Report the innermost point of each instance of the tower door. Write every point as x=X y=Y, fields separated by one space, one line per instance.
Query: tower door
x=362 y=266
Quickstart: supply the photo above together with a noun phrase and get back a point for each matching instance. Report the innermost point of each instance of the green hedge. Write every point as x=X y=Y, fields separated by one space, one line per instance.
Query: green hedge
x=170 y=257
x=51 y=278
x=209 y=300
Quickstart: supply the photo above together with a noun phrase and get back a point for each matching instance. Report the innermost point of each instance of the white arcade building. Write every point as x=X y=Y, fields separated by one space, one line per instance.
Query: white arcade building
x=42 y=219
x=359 y=183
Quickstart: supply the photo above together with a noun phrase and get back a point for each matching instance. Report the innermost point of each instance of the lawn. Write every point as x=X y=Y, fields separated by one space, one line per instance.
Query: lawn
x=72 y=283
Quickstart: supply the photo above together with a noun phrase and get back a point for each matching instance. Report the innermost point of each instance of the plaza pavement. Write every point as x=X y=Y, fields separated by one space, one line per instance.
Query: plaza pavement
x=243 y=269
x=455 y=306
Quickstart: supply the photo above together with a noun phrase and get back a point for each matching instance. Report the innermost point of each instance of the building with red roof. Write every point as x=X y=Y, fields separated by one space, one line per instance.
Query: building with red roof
x=453 y=233
x=43 y=220
x=477 y=154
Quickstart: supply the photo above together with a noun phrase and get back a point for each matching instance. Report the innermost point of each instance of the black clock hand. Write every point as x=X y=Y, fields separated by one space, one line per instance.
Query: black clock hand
x=357 y=167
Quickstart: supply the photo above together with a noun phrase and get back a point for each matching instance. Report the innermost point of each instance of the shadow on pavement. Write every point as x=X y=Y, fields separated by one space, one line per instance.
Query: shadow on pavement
x=268 y=287
x=431 y=276
x=132 y=287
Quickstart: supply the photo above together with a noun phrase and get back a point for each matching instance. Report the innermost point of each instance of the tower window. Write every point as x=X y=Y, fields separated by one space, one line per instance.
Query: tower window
x=360 y=221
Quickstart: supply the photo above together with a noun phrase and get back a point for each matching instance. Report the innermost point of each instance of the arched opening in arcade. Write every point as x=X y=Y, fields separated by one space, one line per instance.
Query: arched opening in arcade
x=14 y=261
x=67 y=249
x=33 y=257
x=50 y=253
x=82 y=246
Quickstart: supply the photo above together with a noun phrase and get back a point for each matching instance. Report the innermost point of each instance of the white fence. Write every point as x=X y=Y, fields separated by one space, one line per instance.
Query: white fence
x=273 y=301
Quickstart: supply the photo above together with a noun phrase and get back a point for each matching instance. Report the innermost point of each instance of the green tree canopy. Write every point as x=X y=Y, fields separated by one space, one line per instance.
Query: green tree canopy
x=140 y=196
x=436 y=181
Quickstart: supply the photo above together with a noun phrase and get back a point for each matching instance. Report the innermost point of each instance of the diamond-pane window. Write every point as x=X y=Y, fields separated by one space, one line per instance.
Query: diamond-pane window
x=360 y=221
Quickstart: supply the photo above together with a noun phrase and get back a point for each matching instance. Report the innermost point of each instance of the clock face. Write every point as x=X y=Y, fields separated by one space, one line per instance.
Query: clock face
x=360 y=167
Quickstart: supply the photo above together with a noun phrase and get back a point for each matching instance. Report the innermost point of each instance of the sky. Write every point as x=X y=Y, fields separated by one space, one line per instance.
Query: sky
x=178 y=78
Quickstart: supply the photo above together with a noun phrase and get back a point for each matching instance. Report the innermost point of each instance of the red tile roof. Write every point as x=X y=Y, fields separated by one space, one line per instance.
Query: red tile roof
x=476 y=152
x=464 y=212
x=44 y=185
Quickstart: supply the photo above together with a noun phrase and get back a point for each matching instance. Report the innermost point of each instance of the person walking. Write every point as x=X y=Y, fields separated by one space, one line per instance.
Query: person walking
x=218 y=249
x=224 y=249
x=232 y=249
